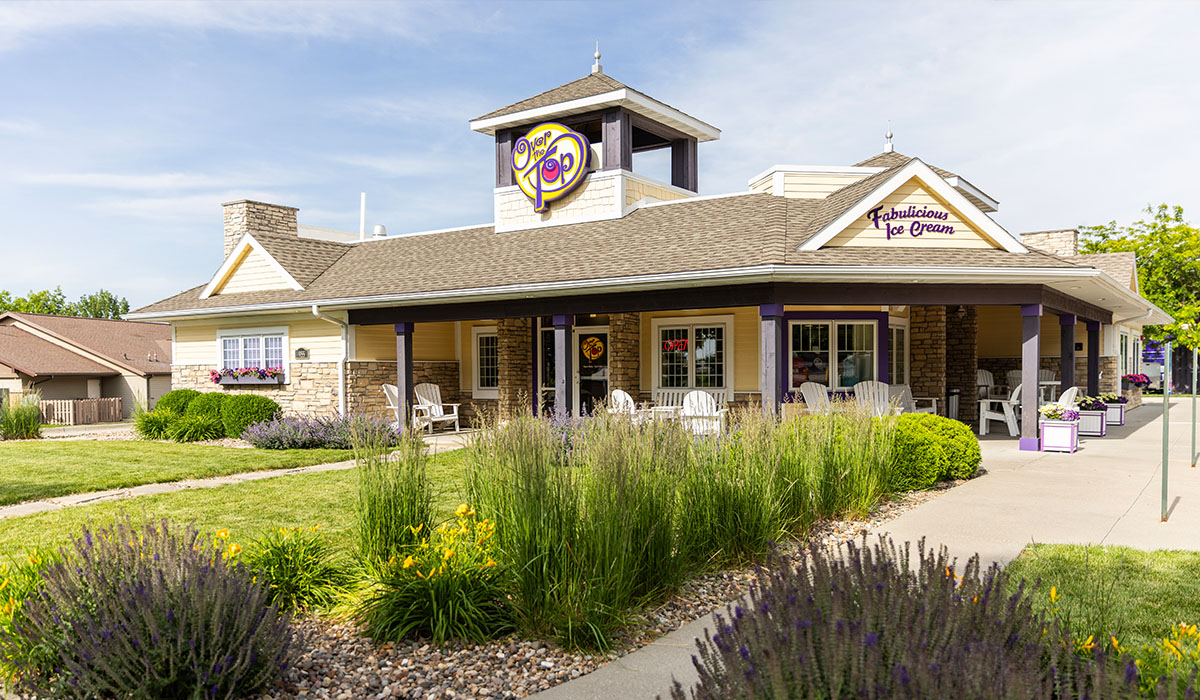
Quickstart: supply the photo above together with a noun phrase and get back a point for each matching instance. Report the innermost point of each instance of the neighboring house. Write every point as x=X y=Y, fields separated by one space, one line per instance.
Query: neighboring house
x=65 y=357
x=593 y=278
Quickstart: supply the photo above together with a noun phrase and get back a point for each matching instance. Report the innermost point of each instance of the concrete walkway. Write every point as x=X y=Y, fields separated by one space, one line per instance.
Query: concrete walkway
x=440 y=442
x=1107 y=493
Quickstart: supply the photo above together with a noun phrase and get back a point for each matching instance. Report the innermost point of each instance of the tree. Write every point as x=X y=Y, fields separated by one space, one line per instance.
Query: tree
x=1168 y=258
x=102 y=304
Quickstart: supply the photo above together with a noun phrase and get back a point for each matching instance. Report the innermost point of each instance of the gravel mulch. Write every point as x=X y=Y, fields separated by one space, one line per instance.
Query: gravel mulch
x=339 y=663
x=123 y=434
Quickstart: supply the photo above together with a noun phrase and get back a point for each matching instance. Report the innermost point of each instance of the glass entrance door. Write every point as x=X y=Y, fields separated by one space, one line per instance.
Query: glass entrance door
x=591 y=361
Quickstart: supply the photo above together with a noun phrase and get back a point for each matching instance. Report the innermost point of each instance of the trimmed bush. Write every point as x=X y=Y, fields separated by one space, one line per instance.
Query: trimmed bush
x=154 y=425
x=195 y=428
x=240 y=411
x=22 y=421
x=176 y=401
x=919 y=456
x=298 y=567
x=207 y=404
x=958 y=441
x=860 y=623
x=151 y=612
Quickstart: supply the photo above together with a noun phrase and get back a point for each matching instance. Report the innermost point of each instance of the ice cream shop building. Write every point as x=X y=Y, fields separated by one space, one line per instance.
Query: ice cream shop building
x=593 y=277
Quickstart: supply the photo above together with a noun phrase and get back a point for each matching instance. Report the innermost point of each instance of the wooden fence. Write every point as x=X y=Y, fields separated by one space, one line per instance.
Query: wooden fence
x=81 y=411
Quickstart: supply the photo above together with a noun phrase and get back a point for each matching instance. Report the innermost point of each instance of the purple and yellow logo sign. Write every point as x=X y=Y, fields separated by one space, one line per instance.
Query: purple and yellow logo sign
x=549 y=162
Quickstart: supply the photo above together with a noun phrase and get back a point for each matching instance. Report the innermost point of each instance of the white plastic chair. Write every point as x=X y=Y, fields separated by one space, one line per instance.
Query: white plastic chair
x=900 y=395
x=701 y=414
x=1069 y=397
x=1001 y=409
x=621 y=403
x=816 y=397
x=876 y=396
x=1014 y=378
x=392 y=393
x=985 y=383
x=428 y=409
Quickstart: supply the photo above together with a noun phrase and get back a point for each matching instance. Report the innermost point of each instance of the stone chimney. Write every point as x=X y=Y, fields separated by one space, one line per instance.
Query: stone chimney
x=1065 y=242
x=246 y=216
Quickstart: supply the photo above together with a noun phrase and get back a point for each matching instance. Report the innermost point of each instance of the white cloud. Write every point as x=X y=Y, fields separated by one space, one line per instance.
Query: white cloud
x=19 y=127
x=184 y=210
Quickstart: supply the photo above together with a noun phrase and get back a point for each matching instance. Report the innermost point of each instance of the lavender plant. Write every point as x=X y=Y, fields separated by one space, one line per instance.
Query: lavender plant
x=149 y=612
x=861 y=623
x=301 y=433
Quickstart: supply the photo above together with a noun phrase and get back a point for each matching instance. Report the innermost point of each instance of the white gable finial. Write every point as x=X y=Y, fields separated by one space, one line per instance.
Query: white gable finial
x=596 y=67
x=887 y=146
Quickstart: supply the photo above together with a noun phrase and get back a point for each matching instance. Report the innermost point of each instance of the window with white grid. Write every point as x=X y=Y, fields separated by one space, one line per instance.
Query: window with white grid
x=673 y=364
x=253 y=347
x=693 y=353
x=838 y=354
x=487 y=362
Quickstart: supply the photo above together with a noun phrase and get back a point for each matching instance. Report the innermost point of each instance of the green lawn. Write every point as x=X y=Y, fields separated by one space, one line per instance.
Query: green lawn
x=247 y=509
x=31 y=470
x=1142 y=593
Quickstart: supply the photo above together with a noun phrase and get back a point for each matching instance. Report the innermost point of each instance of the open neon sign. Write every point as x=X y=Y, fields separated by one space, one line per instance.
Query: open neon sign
x=679 y=344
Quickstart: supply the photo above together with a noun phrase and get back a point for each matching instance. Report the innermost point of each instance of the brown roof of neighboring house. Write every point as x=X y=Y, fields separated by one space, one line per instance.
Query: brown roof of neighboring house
x=143 y=348
x=1120 y=266
x=37 y=357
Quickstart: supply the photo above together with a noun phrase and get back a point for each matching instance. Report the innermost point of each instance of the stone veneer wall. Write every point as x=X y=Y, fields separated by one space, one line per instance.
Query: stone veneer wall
x=1054 y=242
x=927 y=352
x=624 y=353
x=312 y=390
x=962 y=360
x=514 y=339
x=365 y=380
x=246 y=216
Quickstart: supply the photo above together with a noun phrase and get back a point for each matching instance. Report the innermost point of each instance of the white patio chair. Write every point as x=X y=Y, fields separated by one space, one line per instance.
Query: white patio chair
x=428 y=409
x=1047 y=375
x=816 y=397
x=701 y=415
x=392 y=393
x=876 y=396
x=985 y=383
x=1014 y=378
x=1001 y=409
x=1069 y=397
x=900 y=395
x=622 y=404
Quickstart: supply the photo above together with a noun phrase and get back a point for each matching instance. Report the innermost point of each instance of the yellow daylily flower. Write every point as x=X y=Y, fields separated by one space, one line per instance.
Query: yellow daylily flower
x=235 y=549
x=490 y=562
x=1054 y=594
x=416 y=530
x=409 y=562
x=222 y=534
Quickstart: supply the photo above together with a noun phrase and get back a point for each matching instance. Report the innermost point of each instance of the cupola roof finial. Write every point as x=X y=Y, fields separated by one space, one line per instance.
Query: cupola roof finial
x=596 y=67
x=887 y=146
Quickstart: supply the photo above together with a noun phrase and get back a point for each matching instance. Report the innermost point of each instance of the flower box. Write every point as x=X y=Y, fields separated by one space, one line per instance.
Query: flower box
x=251 y=379
x=248 y=375
x=1093 y=423
x=1116 y=414
x=1059 y=435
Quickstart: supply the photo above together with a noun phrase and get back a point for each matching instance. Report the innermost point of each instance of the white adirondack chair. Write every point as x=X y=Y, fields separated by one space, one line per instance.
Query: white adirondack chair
x=1047 y=375
x=900 y=395
x=1014 y=378
x=621 y=403
x=876 y=396
x=701 y=415
x=1001 y=409
x=816 y=397
x=428 y=409
x=1069 y=397
x=984 y=382
x=392 y=393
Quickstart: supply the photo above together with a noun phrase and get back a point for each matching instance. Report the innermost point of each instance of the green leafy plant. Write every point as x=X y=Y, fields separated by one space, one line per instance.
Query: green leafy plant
x=919 y=456
x=176 y=401
x=395 y=496
x=195 y=428
x=299 y=568
x=22 y=420
x=20 y=580
x=963 y=456
x=207 y=404
x=154 y=425
x=243 y=410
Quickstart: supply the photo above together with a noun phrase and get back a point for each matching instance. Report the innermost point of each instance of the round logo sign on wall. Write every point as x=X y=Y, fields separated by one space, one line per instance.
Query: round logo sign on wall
x=548 y=162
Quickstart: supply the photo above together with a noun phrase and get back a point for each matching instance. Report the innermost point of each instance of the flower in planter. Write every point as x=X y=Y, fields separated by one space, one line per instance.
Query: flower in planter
x=1111 y=397
x=1092 y=403
x=1056 y=412
x=1138 y=380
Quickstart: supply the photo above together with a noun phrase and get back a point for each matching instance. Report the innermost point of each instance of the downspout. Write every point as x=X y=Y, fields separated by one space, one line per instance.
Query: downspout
x=316 y=311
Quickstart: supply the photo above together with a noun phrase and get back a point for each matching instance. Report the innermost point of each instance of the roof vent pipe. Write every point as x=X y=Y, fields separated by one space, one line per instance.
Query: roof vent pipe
x=380 y=231
x=362 y=218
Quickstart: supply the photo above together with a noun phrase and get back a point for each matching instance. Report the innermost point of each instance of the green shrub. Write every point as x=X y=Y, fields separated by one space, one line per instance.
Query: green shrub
x=244 y=410
x=176 y=401
x=298 y=567
x=22 y=421
x=446 y=587
x=919 y=456
x=207 y=404
x=960 y=444
x=195 y=428
x=154 y=425
x=20 y=580
x=395 y=497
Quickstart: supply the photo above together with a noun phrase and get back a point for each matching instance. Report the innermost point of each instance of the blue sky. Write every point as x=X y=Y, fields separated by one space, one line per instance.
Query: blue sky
x=123 y=126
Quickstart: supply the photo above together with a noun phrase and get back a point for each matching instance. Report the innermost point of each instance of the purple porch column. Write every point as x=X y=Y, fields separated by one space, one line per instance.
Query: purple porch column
x=1066 y=353
x=1031 y=328
x=404 y=372
x=772 y=357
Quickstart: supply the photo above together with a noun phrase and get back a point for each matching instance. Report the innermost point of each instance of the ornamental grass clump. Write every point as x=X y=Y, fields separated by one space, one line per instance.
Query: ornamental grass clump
x=861 y=623
x=149 y=612
x=21 y=420
x=299 y=567
x=195 y=428
x=395 y=495
x=448 y=586
x=155 y=425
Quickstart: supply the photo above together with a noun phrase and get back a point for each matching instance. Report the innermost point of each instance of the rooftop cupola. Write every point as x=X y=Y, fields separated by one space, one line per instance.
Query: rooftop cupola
x=615 y=122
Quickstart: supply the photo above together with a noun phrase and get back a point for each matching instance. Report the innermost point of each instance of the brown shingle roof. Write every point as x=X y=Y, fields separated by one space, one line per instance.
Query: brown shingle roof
x=890 y=159
x=304 y=258
x=1120 y=266
x=126 y=343
x=37 y=357
x=587 y=86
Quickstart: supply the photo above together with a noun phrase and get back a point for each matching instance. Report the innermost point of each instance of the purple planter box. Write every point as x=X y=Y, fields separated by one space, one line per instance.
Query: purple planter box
x=1059 y=435
x=1093 y=423
x=252 y=379
x=1116 y=414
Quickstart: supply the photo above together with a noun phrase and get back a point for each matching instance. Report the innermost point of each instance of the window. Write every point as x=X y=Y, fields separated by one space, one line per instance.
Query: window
x=1125 y=353
x=833 y=353
x=898 y=355
x=487 y=363
x=252 y=348
x=693 y=353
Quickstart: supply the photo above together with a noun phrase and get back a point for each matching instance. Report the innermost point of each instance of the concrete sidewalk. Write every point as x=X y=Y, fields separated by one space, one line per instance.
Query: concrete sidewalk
x=1106 y=493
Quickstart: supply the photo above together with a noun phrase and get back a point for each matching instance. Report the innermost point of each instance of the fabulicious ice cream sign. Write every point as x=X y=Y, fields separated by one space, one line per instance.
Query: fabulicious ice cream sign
x=548 y=162
x=920 y=220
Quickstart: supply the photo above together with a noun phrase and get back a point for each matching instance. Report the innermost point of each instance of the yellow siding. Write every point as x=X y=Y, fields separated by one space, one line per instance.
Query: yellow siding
x=864 y=233
x=466 y=369
x=745 y=344
x=815 y=186
x=252 y=273
x=1000 y=333
x=636 y=190
x=431 y=341
x=196 y=342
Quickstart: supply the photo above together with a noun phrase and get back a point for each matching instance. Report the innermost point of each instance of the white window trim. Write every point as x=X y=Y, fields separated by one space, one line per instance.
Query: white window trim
x=894 y=322
x=476 y=391
x=725 y=320
x=1125 y=352
x=834 y=372
x=263 y=331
